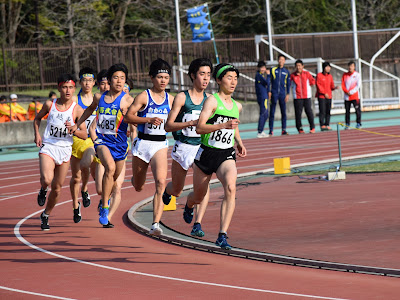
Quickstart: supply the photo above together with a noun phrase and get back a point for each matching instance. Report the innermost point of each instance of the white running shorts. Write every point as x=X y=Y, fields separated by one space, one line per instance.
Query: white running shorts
x=145 y=149
x=59 y=154
x=184 y=154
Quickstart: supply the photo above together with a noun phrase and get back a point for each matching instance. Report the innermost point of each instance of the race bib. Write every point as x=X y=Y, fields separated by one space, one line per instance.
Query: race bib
x=106 y=124
x=58 y=132
x=222 y=138
x=153 y=129
x=89 y=122
x=191 y=130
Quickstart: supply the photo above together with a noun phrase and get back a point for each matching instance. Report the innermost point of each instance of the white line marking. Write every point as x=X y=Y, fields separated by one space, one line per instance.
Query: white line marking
x=33 y=293
x=24 y=241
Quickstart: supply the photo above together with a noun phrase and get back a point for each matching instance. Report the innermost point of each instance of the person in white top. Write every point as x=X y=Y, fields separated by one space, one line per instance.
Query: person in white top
x=56 y=145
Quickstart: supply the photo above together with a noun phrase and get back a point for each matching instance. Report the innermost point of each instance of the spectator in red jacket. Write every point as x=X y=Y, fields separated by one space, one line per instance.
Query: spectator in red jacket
x=301 y=82
x=351 y=83
x=325 y=86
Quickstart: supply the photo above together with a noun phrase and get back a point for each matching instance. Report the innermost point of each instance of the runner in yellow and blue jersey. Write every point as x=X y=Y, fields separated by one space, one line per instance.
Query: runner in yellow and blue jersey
x=82 y=150
x=111 y=142
x=182 y=122
x=151 y=146
x=218 y=126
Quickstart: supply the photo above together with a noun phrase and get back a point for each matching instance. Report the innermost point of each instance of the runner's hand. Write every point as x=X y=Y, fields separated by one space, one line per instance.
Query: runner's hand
x=232 y=124
x=242 y=152
x=71 y=129
x=38 y=141
x=156 y=121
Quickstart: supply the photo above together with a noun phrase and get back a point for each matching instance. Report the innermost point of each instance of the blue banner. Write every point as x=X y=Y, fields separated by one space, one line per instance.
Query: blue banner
x=199 y=22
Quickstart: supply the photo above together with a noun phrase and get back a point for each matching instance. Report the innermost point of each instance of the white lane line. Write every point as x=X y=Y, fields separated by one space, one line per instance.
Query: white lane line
x=23 y=240
x=33 y=293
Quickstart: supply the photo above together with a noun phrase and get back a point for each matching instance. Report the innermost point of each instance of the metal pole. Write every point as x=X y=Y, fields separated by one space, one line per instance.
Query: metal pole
x=271 y=54
x=339 y=146
x=354 y=19
x=212 y=33
x=178 y=37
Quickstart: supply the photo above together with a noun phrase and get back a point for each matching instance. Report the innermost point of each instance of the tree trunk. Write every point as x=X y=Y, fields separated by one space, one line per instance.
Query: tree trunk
x=75 y=55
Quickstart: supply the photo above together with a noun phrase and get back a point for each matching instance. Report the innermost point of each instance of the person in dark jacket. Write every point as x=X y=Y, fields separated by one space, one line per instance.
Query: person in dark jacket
x=262 y=82
x=279 y=92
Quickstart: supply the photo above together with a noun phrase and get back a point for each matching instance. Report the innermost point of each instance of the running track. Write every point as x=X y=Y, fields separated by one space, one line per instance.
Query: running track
x=85 y=261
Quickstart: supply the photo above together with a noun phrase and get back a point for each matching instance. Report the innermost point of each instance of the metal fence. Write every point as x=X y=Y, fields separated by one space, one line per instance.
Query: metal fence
x=37 y=66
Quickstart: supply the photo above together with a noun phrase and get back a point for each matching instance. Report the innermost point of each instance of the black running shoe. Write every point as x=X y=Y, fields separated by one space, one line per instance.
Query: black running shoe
x=45 y=222
x=41 y=198
x=85 y=199
x=108 y=225
x=188 y=214
x=166 y=198
x=77 y=214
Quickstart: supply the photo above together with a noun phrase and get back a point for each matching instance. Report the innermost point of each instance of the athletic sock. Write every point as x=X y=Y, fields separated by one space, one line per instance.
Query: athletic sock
x=45 y=215
x=221 y=234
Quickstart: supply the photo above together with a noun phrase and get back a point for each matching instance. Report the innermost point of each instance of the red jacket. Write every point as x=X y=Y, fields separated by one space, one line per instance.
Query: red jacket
x=301 y=84
x=351 y=83
x=325 y=85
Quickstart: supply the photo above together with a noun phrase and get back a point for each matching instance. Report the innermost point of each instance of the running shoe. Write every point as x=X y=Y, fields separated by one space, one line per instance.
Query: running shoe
x=188 y=214
x=155 y=229
x=196 y=230
x=77 y=214
x=324 y=128
x=284 y=132
x=85 y=199
x=301 y=131
x=312 y=130
x=271 y=133
x=347 y=127
x=262 y=135
x=328 y=128
x=45 y=222
x=41 y=198
x=221 y=242
x=358 y=126
x=101 y=204
x=108 y=225
x=166 y=198
x=103 y=216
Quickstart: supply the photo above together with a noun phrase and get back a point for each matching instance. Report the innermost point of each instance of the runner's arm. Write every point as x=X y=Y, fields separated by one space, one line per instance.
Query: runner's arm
x=139 y=102
x=36 y=123
x=210 y=105
x=177 y=105
x=82 y=132
x=86 y=114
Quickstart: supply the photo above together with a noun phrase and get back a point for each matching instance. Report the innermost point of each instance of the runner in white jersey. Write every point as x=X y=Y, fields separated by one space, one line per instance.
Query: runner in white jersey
x=182 y=121
x=83 y=150
x=56 y=146
x=151 y=146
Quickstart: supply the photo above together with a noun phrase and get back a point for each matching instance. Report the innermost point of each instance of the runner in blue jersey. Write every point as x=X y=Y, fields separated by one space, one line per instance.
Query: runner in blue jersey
x=83 y=150
x=182 y=121
x=111 y=143
x=151 y=146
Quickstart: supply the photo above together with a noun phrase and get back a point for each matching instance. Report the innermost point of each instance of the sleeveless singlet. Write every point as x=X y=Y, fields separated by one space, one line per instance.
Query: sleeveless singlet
x=222 y=138
x=189 y=112
x=111 y=127
x=56 y=133
x=149 y=131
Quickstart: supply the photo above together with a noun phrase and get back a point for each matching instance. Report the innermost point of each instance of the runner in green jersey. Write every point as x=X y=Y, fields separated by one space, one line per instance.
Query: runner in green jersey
x=182 y=122
x=218 y=126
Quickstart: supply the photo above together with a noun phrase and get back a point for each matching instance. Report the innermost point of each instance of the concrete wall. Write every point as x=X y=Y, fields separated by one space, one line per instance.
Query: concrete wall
x=18 y=133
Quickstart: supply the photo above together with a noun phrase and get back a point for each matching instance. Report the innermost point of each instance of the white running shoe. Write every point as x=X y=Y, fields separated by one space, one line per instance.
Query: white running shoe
x=262 y=135
x=155 y=229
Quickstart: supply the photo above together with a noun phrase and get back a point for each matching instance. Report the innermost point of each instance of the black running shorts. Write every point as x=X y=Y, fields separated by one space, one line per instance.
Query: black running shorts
x=209 y=159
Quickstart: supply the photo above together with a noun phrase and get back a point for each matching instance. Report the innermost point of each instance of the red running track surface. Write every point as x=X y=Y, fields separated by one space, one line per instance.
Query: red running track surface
x=85 y=261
